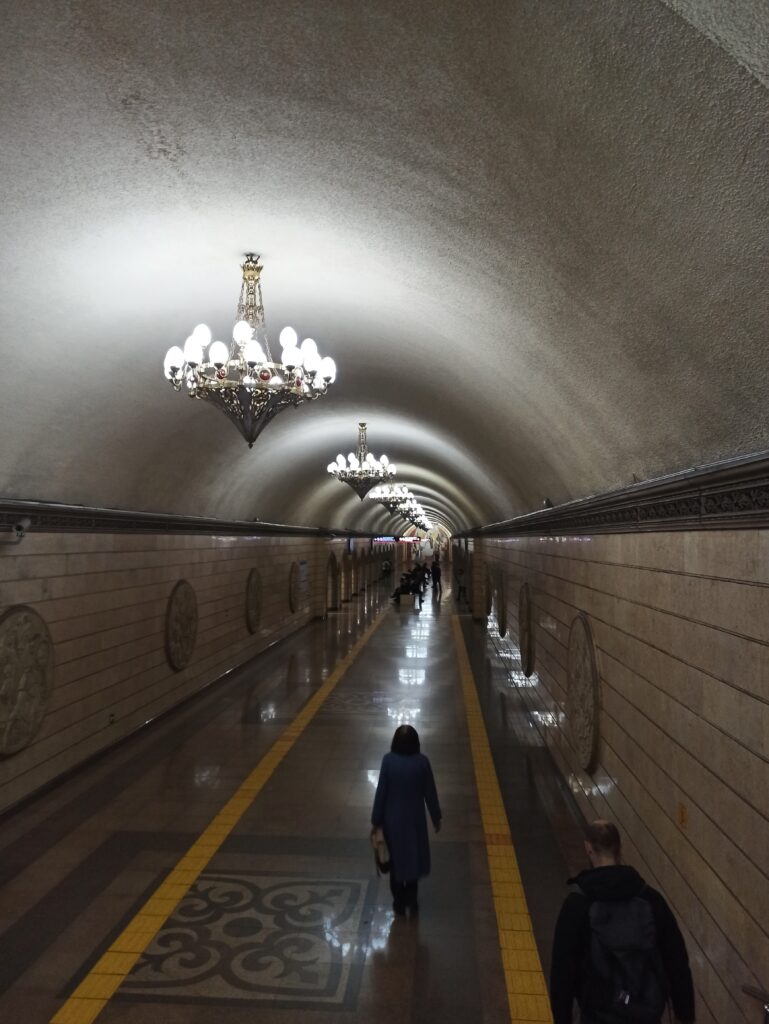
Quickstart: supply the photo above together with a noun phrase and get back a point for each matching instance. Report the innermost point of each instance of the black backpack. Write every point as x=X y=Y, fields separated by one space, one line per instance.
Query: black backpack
x=625 y=979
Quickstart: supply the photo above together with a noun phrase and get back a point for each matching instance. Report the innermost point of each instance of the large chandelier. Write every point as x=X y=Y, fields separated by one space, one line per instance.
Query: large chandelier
x=241 y=378
x=361 y=470
x=399 y=500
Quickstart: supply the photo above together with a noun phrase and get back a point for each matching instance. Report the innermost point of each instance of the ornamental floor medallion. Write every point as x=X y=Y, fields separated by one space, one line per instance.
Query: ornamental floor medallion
x=278 y=940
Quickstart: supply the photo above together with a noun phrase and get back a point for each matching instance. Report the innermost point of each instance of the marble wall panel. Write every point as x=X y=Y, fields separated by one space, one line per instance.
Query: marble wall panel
x=681 y=626
x=104 y=600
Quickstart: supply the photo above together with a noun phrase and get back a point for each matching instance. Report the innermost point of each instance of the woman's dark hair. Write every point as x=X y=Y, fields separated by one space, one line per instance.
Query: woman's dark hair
x=405 y=740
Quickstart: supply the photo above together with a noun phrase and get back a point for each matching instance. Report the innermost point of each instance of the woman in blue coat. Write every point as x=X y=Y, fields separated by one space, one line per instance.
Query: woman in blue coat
x=405 y=785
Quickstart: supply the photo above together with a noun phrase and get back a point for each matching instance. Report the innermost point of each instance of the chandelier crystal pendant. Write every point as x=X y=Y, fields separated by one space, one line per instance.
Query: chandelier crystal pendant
x=241 y=378
x=361 y=470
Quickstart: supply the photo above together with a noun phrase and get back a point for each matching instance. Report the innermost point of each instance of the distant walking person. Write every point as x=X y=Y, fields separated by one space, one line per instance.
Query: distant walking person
x=618 y=950
x=437 y=586
x=405 y=786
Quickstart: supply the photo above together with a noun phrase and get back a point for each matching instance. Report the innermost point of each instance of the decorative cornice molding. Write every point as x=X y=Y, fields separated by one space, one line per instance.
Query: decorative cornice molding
x=49 y=517
x=726 y=496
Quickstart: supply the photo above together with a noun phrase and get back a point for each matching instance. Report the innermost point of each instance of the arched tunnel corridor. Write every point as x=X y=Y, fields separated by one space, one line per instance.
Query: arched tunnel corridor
x=524 y=510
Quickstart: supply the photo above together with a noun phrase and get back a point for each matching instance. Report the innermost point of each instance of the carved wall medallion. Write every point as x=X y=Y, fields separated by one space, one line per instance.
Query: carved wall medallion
x=501 y=604
x=26 y=677
x=293 y=587
x=181 y=625
x=582 y=697
x=253 y=600
x=525 y=630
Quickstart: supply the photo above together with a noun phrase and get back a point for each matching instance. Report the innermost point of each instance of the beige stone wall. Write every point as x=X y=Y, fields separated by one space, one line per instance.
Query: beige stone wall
x=104 y=599
x=681 y=626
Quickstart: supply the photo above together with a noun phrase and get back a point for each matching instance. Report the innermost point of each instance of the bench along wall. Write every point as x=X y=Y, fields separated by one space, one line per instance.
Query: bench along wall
x=678 y=755
x=99 y=646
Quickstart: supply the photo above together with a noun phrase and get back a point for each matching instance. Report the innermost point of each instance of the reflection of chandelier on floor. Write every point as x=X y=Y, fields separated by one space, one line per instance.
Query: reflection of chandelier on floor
x=400 y=501
x=241 y=379
x=361 y=470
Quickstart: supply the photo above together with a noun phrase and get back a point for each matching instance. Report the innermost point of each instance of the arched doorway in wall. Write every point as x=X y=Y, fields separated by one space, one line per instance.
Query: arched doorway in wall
x=332 y=583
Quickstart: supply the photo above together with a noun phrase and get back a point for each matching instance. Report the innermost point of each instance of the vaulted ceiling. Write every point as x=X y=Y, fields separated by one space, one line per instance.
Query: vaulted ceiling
x=532 y=235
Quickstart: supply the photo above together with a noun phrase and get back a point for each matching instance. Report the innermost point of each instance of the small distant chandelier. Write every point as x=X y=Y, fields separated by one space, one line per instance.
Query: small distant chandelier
x=399 y=500
x=361 y=470
x=241 y=378
x=390 y=495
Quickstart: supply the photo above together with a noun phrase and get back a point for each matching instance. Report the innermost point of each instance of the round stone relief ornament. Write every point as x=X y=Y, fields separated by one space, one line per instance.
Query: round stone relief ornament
x=253 y=600
x=26 y=677
x=582 y=696
x=181 y=625
x=525 y=630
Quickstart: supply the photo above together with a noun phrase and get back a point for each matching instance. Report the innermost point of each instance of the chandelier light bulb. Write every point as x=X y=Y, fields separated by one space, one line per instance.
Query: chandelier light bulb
x=288 y=338
x=311 y=361
x=327 y=369
x=340 y=461
x=173 y=361
x=242 y=332
x=276 y=381
x=202 y=334
x=385 y=461
x=307 y=346
x=193 y=351
x=291 y=357
x=254 y=353
x=218 y=354
x=331 y=467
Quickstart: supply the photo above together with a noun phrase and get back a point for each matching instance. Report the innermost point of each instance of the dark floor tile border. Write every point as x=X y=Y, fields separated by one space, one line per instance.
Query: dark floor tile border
x=25 y=941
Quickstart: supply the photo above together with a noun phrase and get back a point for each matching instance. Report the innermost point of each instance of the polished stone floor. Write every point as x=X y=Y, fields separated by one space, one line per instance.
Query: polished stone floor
x=288 y=920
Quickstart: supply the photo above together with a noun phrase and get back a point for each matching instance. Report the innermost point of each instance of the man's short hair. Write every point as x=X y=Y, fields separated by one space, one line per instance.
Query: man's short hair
x=603 y=836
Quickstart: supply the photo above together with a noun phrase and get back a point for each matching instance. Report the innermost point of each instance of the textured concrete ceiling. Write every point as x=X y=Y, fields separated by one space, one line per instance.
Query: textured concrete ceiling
x=533 y=235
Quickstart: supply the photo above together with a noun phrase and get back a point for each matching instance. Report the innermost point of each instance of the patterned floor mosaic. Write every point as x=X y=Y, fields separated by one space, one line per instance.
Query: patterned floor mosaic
x=260 y=937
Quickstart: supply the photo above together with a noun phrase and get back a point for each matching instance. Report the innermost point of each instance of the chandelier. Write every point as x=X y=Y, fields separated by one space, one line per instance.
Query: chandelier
x=241 y=378
x=361 y=470
x=390 y=495
x=399 y=500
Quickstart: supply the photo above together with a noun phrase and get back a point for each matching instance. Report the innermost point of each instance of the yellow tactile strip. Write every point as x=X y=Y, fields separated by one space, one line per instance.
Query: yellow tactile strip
x=94 y=992
x=526 y=989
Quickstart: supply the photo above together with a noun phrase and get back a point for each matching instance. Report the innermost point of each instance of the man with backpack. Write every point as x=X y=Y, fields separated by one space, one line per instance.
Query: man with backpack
x=617 y=948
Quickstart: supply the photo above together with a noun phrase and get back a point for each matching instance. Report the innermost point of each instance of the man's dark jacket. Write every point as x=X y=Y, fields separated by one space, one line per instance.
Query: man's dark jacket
x=571 y=945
